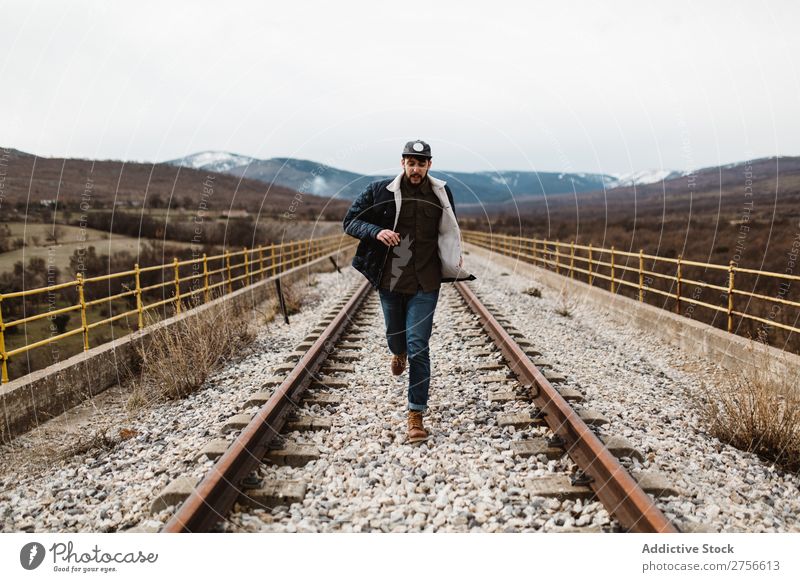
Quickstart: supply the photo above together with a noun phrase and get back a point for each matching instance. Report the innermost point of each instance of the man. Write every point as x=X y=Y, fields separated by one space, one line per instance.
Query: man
x=410 y=244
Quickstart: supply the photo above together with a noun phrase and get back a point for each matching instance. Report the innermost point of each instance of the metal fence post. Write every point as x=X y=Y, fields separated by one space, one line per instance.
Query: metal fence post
x=230 y=277
x=3 y=356
x=613 y=282
x=557 y=245
x=281 y=300
x=139 y=312
x=572 y=260
x=546 y=254
x=641 y=275
x=177 y=285
x=82 y=302
x=730 y=297
x=246 y=268
x=205 y=278
x=678 y=287
x=272 y=260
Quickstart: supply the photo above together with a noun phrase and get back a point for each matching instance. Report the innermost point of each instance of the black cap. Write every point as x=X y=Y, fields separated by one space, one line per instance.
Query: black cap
x=418 y=149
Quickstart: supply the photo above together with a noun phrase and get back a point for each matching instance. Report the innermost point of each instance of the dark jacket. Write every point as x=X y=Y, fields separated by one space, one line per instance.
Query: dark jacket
x=378 y=207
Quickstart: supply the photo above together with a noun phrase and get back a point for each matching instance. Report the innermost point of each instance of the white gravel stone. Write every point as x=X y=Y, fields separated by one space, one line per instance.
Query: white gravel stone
x=111 y=490
x=464 y=478
x=646 y=387
x=460 y=480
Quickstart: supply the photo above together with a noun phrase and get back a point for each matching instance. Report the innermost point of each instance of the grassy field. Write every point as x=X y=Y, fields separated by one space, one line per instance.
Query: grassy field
x=32 y=230
x=74 y=238
x=43 y=356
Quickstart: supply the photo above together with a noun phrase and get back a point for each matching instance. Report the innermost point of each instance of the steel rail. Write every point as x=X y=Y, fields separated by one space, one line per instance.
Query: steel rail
x=612 y=484
x=215 y=495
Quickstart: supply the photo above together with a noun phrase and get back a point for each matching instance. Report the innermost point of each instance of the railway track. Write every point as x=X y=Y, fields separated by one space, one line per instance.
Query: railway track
x=317 y=442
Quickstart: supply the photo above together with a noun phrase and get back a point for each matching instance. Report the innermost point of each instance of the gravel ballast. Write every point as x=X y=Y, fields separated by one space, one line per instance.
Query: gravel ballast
x=646 y=388
x=110 y=488
x=465 y=478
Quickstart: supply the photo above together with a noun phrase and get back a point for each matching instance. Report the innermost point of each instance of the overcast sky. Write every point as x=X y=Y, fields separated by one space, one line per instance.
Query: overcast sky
x=609 y=87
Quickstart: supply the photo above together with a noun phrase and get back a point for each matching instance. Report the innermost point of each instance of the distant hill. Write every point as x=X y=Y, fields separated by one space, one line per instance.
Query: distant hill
x=685 y=192
x=306 y=176
x=746 y=214
x=483 y=187
x=34 y=181
x=468 y=187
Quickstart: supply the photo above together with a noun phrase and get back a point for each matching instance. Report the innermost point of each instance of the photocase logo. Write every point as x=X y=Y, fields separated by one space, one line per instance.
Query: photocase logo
x=401 y=255
x=31 y=555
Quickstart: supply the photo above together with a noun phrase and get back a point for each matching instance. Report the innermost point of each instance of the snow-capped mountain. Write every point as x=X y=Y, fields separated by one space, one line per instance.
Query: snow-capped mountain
x=468 y=187
x=641 y=177
x=212 y=161
x=323 y=180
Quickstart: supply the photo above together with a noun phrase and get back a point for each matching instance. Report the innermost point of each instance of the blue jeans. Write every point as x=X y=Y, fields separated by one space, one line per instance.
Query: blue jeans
x=409 y=322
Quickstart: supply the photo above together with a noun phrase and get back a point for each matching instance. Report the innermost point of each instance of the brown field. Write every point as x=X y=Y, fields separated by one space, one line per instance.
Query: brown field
x=31 y=181
x=74 y=238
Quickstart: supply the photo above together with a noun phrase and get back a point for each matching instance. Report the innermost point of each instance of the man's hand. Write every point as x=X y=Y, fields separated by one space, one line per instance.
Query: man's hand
x=389 y=237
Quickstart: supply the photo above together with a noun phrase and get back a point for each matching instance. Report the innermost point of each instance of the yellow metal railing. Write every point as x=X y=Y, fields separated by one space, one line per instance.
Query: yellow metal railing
x=209 y=274
x=568 y=259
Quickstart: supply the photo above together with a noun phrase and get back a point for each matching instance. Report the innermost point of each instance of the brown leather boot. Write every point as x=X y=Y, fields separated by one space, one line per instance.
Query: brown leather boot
x=416 y=432
x=399 y=364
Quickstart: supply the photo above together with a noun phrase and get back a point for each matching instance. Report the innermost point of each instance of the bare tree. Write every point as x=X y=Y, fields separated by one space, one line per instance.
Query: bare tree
x=57 y=234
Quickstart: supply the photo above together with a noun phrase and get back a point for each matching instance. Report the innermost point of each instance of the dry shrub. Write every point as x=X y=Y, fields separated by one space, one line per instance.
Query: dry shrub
x=101 y=439
x=177 y=360
x=757 y=412
x=292 y=298
x=566 y=304
x=269 y=311
x=293 y=301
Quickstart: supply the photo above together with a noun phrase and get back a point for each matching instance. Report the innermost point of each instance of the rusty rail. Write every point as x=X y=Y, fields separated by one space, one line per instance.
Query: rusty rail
x=215 y=495
x=611 y=483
